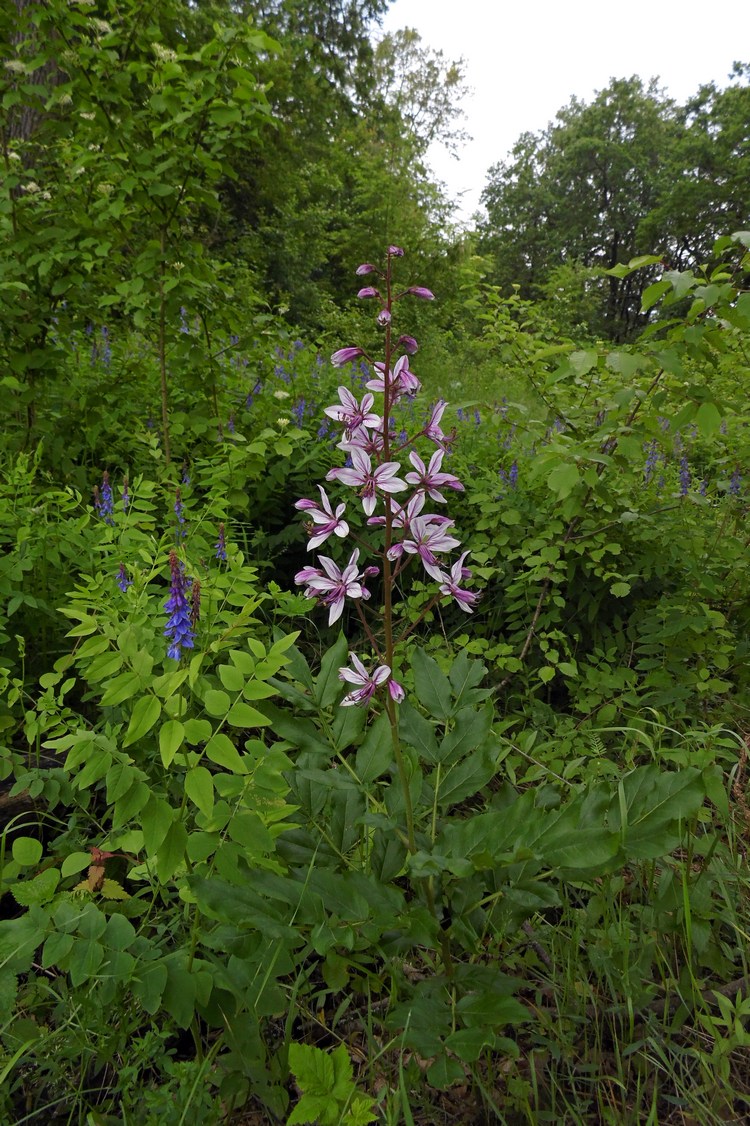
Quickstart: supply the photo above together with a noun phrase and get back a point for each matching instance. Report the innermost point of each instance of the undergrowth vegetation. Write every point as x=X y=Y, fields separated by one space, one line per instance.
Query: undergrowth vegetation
x=509 y=876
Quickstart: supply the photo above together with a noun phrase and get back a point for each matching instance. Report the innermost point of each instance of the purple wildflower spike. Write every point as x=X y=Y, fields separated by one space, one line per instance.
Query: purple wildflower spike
x=179 y=628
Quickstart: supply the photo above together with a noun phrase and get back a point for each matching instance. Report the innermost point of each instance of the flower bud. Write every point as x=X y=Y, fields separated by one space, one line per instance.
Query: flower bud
x=420 y=291
x=395 y=252
x=346 y=356
x=384 y=318
x=368 y=291
x=409 y=344
x=366 y=268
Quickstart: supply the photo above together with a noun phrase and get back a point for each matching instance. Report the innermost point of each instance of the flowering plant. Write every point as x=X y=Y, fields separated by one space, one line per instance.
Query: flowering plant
x=402 y=533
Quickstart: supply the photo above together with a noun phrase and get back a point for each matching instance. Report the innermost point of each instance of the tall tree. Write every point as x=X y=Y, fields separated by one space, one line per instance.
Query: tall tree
x=580 y=192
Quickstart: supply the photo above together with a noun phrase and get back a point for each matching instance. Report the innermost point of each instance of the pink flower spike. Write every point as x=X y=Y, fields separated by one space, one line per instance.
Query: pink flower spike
x=366 y=268
x=346 y=356
x=449 y=585
x=420 y=291
x=368 y=683
x=330 y=522
x=431 y=479
x=368 y=291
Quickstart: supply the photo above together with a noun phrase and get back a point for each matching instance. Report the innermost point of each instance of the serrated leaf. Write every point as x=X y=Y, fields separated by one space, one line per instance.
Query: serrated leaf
x=37 y=891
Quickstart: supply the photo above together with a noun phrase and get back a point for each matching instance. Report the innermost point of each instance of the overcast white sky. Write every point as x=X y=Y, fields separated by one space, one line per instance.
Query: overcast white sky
x=526 y=58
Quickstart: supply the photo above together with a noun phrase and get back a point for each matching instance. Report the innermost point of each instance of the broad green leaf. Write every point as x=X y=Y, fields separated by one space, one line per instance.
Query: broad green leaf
x=85 y=958
x=27 y=851
x=171 y=737
x=120 y=778
x=145 y=714
x=563 y=479
x=328 y=687
x=75 y=862
x=156 y=819
x=418 y=732
x=471 y=728
x=171 y=852
x=148 y=984
x=232 y=678
x=221 y=750
x=583 y=362
x=244 y=715
x=375 y=754
x=178 y=997
x=122 y=688
x=652 y=293
x=708 y=419
x=217 y=703
x=199 y=787
x=624 y=363
x=432 y=686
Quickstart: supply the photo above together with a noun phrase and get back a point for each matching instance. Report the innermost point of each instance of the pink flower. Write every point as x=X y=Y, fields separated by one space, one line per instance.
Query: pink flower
x=409 y=344
x=432 y=430
x=370 y=442
x=395 y=252
x=401 y=381
x=351 y=413
x=361 y=473
x=330 y=522
x=332 y=585
x=449 y=585
x=420 y=291
x=430 y=479
x=368 y=291
x=366 y=268
x=384 y=318
x=368 y=683
x=346 y=356
x=426 y=535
